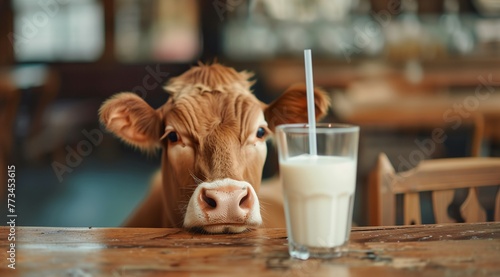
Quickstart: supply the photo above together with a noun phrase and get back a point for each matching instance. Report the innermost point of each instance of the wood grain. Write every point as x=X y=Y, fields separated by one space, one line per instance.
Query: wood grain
x=471 y=209
x=412 y=209
x=425 y=250
x=441 y=200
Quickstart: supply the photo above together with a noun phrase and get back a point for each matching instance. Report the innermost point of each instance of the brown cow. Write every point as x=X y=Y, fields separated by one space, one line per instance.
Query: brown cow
x=213 y=132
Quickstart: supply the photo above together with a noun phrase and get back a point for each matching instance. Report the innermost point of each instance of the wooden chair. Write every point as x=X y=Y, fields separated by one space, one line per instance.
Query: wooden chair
x=440 y=177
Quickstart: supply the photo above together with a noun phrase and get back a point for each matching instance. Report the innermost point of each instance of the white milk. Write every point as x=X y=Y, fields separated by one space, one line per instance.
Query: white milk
x=319 y=194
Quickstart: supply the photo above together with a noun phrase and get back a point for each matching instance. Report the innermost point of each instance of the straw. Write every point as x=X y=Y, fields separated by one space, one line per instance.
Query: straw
x=310 y=102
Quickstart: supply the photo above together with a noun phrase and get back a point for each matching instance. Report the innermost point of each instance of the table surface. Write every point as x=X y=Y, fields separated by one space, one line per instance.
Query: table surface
x=426 y=250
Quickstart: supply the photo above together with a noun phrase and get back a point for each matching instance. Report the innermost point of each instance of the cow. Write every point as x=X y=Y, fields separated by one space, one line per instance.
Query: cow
x=213 y=132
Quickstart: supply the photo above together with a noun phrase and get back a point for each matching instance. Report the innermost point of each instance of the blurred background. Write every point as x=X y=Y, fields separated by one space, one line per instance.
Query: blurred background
x=421 y=78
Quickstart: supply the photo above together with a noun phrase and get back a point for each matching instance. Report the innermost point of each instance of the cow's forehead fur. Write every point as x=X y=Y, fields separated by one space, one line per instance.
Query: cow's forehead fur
x=199 y=114
x=213 y=96
x=213 y=77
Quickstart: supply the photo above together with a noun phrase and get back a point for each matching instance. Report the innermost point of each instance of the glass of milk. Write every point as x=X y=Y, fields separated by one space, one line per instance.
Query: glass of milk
x=318 y=189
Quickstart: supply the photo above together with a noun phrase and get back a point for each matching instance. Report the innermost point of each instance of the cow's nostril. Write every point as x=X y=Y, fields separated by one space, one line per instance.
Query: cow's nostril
x=244 y=202
x=210 y=201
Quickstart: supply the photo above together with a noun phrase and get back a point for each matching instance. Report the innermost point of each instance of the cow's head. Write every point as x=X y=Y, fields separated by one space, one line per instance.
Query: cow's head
x=213 y=132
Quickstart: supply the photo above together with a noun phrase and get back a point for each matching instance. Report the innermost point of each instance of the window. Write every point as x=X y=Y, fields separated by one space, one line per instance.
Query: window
x=62 y=30
x=157 y=30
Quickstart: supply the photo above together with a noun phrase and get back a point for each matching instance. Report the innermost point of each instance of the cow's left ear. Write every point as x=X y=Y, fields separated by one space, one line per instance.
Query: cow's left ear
x=130 y=118
x=291 y=107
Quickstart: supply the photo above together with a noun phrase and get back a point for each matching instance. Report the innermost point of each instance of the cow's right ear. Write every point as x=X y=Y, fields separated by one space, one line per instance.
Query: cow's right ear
x=131 y=119
x=291 y=106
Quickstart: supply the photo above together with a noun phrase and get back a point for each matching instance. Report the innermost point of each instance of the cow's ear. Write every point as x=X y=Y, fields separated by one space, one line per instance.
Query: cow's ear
x=130 y=118
x=291 y=107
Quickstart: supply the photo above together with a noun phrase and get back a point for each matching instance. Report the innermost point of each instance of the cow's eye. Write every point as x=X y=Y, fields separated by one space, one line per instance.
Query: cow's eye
x=261 y=132
x=173 y=137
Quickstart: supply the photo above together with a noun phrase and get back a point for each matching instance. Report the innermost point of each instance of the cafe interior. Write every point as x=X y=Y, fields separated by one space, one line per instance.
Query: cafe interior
x=421 y=79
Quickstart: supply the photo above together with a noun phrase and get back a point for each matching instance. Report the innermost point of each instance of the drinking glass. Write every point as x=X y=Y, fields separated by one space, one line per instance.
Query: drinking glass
x=318 y=189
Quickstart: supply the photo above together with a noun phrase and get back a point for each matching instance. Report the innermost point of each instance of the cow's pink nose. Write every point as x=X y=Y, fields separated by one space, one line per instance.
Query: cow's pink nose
x=226 y=205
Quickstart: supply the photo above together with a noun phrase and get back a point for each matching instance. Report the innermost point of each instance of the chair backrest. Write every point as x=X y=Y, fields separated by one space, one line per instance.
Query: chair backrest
x=441 y=177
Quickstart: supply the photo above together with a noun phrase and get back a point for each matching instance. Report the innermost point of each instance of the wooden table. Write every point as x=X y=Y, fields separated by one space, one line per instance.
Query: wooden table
x=427 y=250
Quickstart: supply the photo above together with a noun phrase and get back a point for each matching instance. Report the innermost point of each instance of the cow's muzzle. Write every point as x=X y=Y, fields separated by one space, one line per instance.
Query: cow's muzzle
x=223 y=206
